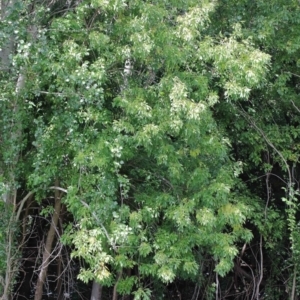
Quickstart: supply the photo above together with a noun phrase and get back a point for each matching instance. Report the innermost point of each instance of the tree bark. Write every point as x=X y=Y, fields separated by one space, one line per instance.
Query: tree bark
x=10 y=265
x=9 y=198
x=115 y=292
x=8 y=47
x=60 y=265
x=48 y=248
x=96 y=291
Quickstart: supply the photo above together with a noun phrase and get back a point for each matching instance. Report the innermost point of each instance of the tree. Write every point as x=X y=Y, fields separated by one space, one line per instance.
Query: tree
x=265 y=134
x=129 y=106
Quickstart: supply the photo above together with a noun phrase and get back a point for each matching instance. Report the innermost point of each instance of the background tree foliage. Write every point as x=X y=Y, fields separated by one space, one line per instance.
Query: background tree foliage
x=151 y=147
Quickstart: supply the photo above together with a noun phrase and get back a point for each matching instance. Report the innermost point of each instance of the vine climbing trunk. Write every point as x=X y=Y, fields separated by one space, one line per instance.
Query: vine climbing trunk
x=48 y=247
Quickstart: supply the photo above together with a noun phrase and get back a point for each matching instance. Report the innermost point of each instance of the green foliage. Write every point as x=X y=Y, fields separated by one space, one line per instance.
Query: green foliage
x=145 y=153
x=88 y=245
x=142 y=294
x=148 y=114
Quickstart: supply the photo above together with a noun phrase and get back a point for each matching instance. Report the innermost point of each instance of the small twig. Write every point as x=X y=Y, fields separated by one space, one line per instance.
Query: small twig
x=58 y=189
x=293 y=74
x=103 y=228
x=261 y=273
x=295 y=106
x=260 y=131
x=51 y=93
x=22 y=204
x=256 y=178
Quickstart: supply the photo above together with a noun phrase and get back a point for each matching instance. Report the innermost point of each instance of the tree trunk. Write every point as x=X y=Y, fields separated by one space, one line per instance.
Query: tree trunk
x=48 y=248
x=60 y=271
x=8 y=47
x=9 y=198
x=10 y=262
x=96 y=291
x=115 y=292
x=59 y=278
